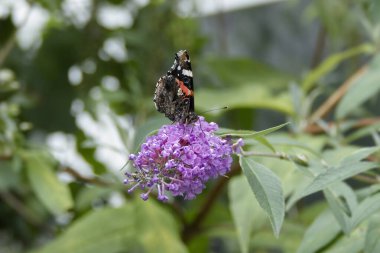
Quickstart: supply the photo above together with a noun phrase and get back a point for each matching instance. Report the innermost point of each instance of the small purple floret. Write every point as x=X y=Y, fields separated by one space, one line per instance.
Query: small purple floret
x=237 y=146
x=180 y=159
x=144 y=196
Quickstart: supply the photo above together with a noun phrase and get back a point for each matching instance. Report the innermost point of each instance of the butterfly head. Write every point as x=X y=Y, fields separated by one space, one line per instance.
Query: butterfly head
x=182 y=66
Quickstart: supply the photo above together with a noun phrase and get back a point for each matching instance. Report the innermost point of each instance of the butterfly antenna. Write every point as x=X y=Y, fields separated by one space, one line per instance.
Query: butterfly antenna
x=125 y=165
x=215 y=109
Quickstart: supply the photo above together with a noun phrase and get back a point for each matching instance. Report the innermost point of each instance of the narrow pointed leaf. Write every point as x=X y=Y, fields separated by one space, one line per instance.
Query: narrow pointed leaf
x=147 y=129
x=248 y=133
x=338 y=209
x=372 y=239
x=314 y=239
x=156 y=229
x=53 y=194
x=363 y=131
x=105 y=231
x=340 y=173
x=332 y=62
x=366 y=208
x=245 y=96
x=365 y=87
x=135 y=227
x=245 y=210
x=353 y=243
x=360 y=155
x=268 y=191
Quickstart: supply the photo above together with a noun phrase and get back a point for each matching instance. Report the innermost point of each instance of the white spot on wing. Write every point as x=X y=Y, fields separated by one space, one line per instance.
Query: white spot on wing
x=186 y=72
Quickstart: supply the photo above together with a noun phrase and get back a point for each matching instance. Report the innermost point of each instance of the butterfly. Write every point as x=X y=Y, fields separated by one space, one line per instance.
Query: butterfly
x=174 y=94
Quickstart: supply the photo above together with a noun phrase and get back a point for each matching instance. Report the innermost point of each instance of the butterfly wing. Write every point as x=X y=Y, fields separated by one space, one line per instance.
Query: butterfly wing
x=174 y=95
x=183 y=73
x=164 y=95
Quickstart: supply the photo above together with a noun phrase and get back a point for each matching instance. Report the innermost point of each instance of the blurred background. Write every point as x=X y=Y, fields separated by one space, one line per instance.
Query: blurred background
x=77 y=78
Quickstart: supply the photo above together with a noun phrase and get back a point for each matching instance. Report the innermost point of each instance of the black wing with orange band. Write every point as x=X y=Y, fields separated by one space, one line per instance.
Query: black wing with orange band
x=174 y=95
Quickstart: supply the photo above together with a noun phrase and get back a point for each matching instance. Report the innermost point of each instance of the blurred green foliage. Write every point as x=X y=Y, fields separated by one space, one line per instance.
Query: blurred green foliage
x=311 y=187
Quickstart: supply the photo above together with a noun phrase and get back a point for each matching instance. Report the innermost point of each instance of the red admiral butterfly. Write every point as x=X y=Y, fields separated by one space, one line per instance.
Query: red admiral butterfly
x=174 y=94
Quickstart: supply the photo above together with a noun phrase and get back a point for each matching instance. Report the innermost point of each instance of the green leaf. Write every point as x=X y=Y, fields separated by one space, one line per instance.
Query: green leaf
x=322 y=231
x=334 y=157
x=311 y=145
x=86 y=197
x=331 y=63
x=245 y=210
x=53 y=194
x=335 y=174
x=286 y=170
x=315 y=167
x=235 y=133
x=359 y=155
x=372 y=238
x=365 y=87
x=105 y=231
x=353 y=243
x=9 y=178
x=339 y=209
x=264 y=241
x=362 y=132
x=346 y=194
x=366 y=208
x=373 y=11
x=247 y=133
x=298 y=192
x=265 y=142
x=148 y=127
x=129 y=228
x=156 y=229
x=123 y=134
x=267 y=188
x=88 y=153
x=246 y=72
x=247 y=96
x=365 y=192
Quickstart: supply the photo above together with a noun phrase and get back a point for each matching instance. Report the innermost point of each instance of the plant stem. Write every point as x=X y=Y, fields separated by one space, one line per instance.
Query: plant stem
x=20 y=208
x=366 y=179
x=319 y=46
x=315 y=129
x=79 y=177
x=10 y=43
x=329 y=104
x=279 y=155
x=193 y=228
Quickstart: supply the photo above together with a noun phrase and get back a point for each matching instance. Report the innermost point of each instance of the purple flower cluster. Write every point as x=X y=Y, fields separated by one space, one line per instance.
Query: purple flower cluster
x=180 y=159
